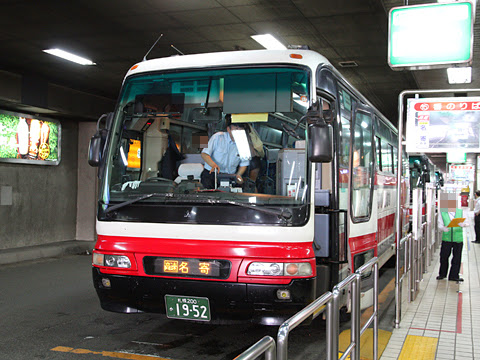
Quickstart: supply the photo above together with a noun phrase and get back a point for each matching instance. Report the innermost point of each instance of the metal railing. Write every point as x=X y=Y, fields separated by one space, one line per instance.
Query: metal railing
x=311 y=310
x=331 y=302
x=405 y=243
x=418 y=247
x=265 y=345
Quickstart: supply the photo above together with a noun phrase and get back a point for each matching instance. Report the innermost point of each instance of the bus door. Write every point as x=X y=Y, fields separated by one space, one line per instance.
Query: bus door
x=363 y=215
x=342 y=171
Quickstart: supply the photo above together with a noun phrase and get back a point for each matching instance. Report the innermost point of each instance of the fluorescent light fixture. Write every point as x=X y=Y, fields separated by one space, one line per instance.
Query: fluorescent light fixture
x=69 y=56
x=459 y=75
x=241 y=141
x=269 y=42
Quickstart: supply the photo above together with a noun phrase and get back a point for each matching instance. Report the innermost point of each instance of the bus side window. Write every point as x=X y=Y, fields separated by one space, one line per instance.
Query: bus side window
x=379 y=152
x=362 y=186
x=386 y=157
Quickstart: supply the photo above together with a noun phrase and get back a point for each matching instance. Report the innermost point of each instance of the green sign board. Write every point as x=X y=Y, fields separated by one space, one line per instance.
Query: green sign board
x=456 y=157
x=430 y=36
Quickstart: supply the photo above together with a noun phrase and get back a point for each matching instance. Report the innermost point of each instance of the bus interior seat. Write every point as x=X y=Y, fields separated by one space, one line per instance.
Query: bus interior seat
x=299 y=144
x=192 y=158
x=189 y=171
x=266 y=180
x=154 y=147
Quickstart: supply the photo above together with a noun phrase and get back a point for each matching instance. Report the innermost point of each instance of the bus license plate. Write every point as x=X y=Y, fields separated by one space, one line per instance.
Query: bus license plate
x=187 y=307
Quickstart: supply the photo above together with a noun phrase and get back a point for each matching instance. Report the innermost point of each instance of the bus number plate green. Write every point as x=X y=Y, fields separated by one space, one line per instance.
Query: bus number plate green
x=187 y=307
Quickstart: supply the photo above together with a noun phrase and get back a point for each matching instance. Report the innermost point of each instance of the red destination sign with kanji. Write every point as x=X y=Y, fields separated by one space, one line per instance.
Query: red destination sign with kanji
x=448 y=106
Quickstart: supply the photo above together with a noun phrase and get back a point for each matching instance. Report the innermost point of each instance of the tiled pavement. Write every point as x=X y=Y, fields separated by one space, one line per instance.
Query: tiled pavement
x=444 y=320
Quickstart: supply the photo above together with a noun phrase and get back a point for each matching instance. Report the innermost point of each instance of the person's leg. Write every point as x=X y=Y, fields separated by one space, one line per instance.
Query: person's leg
x=456 y=261
x=444 y=255
x=477 y=228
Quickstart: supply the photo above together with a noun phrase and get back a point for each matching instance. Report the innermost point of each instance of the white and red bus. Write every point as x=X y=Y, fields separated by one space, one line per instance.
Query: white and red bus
x=257 y=251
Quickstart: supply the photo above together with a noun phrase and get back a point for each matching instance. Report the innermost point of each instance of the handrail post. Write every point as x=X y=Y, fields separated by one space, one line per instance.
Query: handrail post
x=282 y=341
x=330 y=327
x=398 y=207
x=355 y=333
x=375 y=311
x=334 y=324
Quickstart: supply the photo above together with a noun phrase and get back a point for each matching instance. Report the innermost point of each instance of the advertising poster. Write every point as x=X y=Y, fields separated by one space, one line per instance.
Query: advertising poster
x=25 y=139
x=443 y=125
x=462 y=172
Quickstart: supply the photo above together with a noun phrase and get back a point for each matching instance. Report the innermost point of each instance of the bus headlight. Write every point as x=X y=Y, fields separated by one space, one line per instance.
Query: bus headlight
x=267 y=269
x=279 y=269
x=118 y=261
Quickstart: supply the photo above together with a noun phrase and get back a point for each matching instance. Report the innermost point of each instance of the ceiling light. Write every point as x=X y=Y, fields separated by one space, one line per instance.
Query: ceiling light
x=69 y=56
x=269 y=42
x=459 y=75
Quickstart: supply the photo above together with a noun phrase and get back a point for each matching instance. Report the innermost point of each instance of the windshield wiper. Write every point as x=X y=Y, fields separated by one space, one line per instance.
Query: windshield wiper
x=283 y=213
x=190 y=198
x=128 y=202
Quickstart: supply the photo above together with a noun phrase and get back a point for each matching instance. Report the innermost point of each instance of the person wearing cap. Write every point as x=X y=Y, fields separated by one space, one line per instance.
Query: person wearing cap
x=221 y=155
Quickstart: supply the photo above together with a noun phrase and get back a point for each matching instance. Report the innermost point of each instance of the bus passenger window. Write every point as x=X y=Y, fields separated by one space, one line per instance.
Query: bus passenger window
x=379 y=154
x=362 y=186
x=386 y=157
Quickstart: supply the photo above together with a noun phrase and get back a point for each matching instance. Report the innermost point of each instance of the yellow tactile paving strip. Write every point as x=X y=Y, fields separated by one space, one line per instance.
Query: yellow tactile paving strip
x=419 y=348
x=366 y=342
x=111 y=354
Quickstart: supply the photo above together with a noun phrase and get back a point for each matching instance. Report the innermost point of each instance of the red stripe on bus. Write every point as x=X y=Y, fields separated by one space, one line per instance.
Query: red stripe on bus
x=205 y=248
x=362 y=243
x=385 y=227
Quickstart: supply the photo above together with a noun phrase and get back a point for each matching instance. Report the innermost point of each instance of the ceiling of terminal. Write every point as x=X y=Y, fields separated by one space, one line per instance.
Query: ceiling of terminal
x=117 y=34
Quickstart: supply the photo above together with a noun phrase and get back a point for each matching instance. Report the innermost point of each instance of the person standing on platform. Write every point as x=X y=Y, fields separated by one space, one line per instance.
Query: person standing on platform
x=452 y=237
x=476 y=212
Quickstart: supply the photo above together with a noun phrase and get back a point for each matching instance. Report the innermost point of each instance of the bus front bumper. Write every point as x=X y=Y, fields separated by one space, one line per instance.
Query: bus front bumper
x=229 y=301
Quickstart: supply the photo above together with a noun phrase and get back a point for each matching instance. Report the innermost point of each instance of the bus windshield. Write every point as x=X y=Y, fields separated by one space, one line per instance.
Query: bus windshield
x=166 y=122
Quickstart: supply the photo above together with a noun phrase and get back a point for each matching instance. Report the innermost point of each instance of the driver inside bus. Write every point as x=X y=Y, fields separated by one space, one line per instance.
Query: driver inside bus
x=222 y=156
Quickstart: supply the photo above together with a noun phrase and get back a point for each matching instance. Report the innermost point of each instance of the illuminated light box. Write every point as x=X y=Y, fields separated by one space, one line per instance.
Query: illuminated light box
x=443 y=125
x=30 y=140
x=462 y=172
x=457 y=157
x=430 y=36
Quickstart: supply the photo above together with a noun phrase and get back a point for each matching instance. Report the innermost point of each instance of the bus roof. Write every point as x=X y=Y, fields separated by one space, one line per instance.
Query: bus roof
x=206 y=60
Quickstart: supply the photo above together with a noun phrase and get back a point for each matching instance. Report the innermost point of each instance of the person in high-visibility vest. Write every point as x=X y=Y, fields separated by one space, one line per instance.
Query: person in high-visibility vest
x=452 y=237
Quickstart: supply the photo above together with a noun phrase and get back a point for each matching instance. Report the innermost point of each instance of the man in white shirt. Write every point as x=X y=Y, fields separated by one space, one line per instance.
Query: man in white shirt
x=476 y=211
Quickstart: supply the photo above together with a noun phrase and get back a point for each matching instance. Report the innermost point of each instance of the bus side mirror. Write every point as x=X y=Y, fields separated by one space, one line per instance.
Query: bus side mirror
x=97 y=142
x=95 y=149
x=320 y=144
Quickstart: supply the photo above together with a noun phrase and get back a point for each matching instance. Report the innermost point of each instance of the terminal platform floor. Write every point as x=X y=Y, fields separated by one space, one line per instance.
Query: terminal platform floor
x=443 y=322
